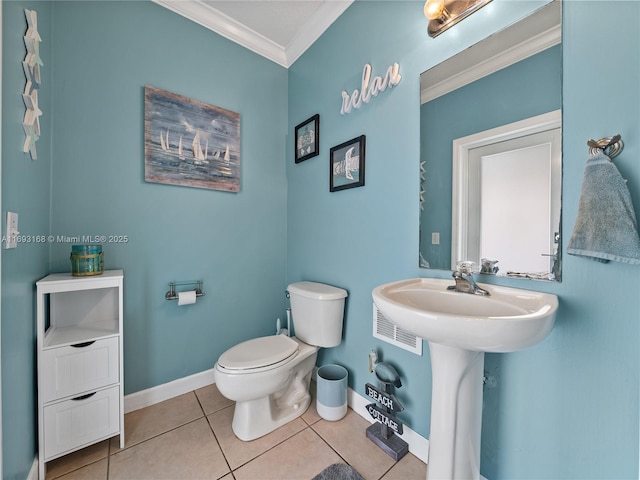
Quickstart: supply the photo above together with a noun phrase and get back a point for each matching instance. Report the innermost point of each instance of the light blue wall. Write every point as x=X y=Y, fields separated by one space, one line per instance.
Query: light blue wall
x=530 y=87
x=25 y=190
x=89 y=180
x=104 y=54
x=565 y=409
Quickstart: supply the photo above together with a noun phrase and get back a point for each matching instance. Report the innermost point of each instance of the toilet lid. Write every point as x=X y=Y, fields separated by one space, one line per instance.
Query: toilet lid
x=258 y=352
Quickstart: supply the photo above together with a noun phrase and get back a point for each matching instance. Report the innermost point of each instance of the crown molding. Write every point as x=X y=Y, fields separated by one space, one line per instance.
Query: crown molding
x=317 y=24
x=529 y=47
x=227 y=27
x=217 y=21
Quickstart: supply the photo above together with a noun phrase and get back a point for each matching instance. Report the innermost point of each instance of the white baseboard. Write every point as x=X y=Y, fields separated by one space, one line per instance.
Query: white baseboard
x=33 y=473
x=160 y=393
x=418 y=445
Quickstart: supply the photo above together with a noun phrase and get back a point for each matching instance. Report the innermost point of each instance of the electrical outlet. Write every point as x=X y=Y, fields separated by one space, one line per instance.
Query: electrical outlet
x=435 y=238
x=11 y=240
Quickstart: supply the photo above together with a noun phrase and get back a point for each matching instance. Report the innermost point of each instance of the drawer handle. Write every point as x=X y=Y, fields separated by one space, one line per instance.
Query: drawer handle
x=83 y=344
x=84 y=397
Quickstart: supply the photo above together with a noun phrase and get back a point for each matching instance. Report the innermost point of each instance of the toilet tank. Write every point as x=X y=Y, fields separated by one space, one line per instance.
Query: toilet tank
x=317 y=310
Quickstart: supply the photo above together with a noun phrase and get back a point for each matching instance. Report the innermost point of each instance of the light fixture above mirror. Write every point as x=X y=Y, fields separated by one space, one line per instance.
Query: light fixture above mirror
x=444 y=14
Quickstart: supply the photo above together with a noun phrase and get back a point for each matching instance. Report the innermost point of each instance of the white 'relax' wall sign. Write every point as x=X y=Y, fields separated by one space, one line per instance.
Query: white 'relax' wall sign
x=370 y=88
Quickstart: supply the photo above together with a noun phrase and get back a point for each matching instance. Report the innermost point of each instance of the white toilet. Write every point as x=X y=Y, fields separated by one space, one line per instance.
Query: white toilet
x=268 y=377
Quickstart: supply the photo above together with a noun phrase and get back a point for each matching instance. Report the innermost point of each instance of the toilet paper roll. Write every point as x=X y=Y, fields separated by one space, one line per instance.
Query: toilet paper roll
x=187 y=298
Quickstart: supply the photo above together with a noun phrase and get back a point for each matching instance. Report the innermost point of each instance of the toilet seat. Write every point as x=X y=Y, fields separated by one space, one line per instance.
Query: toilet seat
x=259 y=353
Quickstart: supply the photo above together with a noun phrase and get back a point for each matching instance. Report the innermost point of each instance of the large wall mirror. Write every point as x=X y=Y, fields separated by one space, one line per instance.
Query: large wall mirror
x=491 y=157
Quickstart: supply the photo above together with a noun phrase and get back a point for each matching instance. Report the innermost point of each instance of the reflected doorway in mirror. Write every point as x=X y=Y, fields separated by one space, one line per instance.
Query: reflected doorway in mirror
x=506 y=196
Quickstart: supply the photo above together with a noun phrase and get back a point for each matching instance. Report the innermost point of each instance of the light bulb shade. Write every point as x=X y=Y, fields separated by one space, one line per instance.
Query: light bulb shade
x=433 y=9
x=452 y=12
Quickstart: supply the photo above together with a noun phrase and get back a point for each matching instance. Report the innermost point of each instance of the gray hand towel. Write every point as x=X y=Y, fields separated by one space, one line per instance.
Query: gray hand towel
x=606 y=227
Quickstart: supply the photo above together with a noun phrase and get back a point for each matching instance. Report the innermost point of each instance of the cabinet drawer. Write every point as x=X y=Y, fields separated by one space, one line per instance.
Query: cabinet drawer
x=73 y=423
x=72 y=370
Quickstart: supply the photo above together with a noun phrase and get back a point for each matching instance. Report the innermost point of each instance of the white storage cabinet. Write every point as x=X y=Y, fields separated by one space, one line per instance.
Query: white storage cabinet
x=80 y=371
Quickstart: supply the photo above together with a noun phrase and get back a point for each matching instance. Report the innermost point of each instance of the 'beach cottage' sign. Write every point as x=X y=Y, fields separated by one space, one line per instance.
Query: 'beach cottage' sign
x=370 y=87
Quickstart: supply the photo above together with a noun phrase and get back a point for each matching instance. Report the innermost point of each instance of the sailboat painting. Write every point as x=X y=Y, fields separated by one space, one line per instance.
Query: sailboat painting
x=190 y=143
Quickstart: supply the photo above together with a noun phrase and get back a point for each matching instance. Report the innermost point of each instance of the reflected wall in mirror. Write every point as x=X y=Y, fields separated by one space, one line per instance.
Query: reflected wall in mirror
x=477 y=201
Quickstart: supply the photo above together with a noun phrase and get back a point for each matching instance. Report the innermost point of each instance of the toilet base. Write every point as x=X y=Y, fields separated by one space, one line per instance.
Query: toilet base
x=255 y=418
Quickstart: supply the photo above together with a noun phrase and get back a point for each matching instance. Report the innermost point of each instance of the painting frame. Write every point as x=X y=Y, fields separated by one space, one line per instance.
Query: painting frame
x=190 y=143
x=342 y=159
x=307 y=139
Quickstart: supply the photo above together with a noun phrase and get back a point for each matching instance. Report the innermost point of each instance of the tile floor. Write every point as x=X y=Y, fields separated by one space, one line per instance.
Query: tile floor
x=189 y=437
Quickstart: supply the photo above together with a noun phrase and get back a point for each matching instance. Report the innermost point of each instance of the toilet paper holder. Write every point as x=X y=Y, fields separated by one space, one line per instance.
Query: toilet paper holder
x=172 y=295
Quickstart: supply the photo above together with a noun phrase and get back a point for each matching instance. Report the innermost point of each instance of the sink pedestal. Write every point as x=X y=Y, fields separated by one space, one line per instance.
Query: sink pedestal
x=456 y=413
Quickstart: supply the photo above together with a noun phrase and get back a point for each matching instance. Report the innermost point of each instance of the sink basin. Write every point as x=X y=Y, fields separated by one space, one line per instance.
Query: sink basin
x=509 y=319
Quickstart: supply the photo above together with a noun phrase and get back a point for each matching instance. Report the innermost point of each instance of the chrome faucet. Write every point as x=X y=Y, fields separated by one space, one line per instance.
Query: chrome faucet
x=465 y=282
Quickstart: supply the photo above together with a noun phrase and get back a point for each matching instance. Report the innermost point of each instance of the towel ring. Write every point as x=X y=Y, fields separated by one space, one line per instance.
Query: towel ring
x=610 y=146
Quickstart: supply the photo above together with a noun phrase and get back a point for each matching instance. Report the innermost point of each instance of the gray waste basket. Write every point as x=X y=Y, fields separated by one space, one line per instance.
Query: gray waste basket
x=331 y=394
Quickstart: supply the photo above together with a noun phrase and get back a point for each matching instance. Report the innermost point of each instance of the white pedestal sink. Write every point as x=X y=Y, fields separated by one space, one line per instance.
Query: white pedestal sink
x=460 y=327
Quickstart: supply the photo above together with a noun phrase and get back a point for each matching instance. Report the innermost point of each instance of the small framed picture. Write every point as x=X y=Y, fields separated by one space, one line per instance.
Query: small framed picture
x=307 y=137
x=346 y=165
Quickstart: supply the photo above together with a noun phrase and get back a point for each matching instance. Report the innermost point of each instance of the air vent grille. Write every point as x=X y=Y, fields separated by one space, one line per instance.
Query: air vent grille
x=383 y=326
x=388 y=332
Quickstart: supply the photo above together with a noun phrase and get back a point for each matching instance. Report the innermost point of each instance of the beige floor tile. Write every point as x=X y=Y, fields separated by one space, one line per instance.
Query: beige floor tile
x=188 y=452
x=348 y=437
x=77 y=459
x=311 y=415
x=238 y=452
x=146 y=423
x=408 y=467
x=211 y=399
x=300 y=457
x=95 y=471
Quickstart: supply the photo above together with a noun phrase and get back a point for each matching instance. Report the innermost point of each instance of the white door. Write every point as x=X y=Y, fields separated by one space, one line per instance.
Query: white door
x=520 y=233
